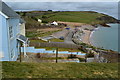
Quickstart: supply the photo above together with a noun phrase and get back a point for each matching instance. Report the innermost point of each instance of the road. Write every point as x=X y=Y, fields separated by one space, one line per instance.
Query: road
x=67 y=34
x=68 y=38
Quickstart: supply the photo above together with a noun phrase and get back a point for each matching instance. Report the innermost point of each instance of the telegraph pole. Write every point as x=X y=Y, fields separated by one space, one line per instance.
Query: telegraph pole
x=56 y=55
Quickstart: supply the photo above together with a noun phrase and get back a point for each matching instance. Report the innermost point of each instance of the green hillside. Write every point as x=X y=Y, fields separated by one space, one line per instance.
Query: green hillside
x=88 y=17
x=81 y=17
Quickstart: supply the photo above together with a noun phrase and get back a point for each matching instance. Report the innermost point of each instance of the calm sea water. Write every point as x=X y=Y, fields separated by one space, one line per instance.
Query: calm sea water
x=103 y=37
x=106 y=37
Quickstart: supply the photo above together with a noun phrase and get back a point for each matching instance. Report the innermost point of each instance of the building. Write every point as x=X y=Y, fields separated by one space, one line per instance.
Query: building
x=22 y=27
x=12 y=30
x=54 y=23
x=39 y=20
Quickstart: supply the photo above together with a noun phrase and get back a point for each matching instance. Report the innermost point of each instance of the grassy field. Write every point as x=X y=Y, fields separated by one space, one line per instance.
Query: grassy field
x=80 y=17
x=32 y=34
x=37 y=41
x=59 y=70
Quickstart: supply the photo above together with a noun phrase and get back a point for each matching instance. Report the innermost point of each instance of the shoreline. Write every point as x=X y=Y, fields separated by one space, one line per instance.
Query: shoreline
x=91 y=34
x=87 y=34
x=93 y=43
x=85 y=38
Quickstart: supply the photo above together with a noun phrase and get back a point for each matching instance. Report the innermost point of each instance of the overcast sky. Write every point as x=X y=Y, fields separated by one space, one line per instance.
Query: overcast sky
x=61 y=0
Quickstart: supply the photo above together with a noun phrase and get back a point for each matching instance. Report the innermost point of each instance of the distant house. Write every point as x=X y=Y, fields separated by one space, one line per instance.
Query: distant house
x=12 y=34
x=39 y=20
x=54 y=23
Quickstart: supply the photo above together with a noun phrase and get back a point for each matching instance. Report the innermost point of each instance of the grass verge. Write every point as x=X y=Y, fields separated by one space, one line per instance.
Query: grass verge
x=59 y=70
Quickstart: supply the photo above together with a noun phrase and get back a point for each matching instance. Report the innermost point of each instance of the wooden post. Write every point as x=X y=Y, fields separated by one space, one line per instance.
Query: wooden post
x=56 y=55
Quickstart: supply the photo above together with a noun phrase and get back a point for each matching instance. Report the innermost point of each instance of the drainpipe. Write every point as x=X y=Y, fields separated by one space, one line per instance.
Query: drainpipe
x=20 y=52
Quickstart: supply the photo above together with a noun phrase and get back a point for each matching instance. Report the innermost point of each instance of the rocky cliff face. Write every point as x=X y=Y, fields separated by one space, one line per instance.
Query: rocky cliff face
x=107 y=57
x=108 y=19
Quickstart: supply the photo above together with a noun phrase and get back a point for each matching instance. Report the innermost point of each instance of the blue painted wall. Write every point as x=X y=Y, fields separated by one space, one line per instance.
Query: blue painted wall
x=4 y=40
x=13 y=42
x=9 y=44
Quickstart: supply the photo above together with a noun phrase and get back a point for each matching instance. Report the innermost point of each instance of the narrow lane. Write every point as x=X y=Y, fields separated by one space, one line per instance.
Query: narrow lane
x=68 y=38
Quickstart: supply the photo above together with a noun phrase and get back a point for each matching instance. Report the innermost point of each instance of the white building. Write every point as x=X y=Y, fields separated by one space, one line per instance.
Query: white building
x=39 y=20
x=54 y=23
x=12 y=30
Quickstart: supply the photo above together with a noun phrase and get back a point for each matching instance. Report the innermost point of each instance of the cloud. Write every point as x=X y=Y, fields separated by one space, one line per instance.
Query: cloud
x=60 y=0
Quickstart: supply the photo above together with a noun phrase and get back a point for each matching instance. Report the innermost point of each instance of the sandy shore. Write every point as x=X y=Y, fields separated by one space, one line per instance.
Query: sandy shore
x=85 y=38
x=81 y=26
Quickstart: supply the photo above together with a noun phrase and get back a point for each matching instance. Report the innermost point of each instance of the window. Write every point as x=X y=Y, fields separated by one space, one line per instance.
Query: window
x=12 y=53
x=11 y=31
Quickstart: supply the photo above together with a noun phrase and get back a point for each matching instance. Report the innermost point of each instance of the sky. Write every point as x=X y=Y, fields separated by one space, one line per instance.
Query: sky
x=61 y=0
x=109 y=7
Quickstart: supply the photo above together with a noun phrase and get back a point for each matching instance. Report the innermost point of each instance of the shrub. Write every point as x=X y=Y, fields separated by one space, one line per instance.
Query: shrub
x=81 y=59
x=45 y=21
x=84 y=44
x=38 y=55
x=72 y=56
x=44 y=16
x=34 y=18
x=90 y=54
x=24 y=13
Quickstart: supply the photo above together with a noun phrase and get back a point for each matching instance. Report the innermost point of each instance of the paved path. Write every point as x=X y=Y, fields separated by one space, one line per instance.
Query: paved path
x=67 y=34
x=59 y=34
x=68 y=38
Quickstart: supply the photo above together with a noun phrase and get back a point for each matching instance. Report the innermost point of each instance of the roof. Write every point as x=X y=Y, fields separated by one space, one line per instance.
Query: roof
x=5 y=9
x=22 y=21
x=22 y=38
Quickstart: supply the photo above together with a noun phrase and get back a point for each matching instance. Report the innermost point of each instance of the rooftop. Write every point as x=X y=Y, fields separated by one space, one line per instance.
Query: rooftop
x=5 y=9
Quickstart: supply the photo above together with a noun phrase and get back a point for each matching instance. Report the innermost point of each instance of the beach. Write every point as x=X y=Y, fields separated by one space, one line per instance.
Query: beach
x=86 y=37
x=87 y=32
x=86 y=28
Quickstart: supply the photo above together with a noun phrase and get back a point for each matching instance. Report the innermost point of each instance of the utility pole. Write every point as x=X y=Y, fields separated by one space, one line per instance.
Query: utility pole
x=56 y=55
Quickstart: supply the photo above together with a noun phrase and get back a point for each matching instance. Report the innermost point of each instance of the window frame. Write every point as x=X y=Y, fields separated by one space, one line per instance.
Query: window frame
x=11 y=35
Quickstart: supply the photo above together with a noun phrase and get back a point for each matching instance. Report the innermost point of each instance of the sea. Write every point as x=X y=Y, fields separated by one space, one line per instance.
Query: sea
x=106 y=37
x=103 y=37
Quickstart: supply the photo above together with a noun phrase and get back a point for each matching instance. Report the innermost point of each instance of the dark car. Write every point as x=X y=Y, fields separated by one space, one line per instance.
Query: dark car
x=62 y=38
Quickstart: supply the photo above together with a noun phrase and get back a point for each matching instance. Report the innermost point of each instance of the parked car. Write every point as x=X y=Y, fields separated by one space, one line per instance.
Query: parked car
x=62 y=38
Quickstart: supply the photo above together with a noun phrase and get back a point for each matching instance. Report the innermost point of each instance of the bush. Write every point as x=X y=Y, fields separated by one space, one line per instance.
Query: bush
x=24 y=13
x=90 y=54
x=34 y=18
x=38 y=55
x=44 y=16
x=84 y=44
x=81 y=59
x=45 y=21
x=71 y=56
